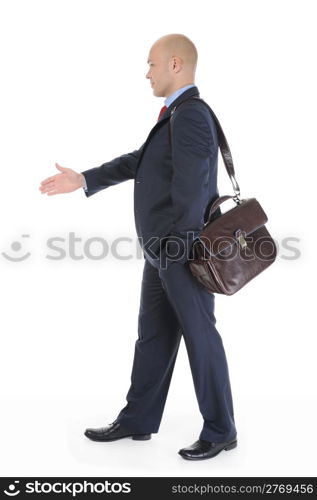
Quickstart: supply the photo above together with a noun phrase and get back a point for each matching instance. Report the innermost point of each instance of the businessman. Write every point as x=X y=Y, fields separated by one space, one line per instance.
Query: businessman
x=175 y=183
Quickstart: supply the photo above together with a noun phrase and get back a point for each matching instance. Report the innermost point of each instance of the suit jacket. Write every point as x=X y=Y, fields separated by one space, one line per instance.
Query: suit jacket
x=175 y=181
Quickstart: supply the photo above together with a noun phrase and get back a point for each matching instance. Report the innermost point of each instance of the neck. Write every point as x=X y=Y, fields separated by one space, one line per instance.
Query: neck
x=178 y=86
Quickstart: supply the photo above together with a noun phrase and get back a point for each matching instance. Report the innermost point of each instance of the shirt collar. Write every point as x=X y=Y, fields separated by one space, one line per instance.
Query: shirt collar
x=168 y=101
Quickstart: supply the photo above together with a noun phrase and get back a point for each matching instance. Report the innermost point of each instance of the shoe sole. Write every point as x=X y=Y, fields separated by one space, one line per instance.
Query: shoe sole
x=135 y=437
x=226 y=448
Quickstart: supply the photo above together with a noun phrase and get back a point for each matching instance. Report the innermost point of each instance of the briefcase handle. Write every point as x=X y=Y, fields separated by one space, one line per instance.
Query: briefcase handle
x=224 y=148
x=216 y=204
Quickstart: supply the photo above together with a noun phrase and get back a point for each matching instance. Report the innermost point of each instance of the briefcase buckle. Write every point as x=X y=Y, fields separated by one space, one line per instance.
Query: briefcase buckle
x=242 y=242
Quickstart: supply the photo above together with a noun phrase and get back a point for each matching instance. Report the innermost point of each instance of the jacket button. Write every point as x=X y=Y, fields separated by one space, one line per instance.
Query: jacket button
x=138 y=182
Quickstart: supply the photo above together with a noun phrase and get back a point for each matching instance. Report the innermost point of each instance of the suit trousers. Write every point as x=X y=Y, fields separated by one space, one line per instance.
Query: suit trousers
x=173 y=303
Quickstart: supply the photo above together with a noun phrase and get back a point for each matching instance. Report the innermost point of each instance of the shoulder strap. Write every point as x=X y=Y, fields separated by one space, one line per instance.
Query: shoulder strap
x=223 y=145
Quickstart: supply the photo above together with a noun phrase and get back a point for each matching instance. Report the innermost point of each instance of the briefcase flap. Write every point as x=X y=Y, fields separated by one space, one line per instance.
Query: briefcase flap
x=221 y=233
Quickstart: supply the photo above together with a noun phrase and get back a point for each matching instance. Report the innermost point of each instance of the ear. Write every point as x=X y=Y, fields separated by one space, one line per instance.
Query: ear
x=177 y=63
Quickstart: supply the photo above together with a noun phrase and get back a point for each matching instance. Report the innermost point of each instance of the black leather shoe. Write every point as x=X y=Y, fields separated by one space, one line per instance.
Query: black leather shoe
x=201 y=449
x=113 y=432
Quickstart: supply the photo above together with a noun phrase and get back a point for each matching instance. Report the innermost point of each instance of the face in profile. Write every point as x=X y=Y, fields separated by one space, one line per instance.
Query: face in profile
x=159 y=72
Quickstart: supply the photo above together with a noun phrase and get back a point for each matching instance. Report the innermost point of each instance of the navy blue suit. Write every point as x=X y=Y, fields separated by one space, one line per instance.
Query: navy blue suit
x=175 y=182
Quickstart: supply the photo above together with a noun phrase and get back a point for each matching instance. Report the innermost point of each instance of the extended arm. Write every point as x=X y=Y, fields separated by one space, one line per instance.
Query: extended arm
x=93 y=180
x=112 y=172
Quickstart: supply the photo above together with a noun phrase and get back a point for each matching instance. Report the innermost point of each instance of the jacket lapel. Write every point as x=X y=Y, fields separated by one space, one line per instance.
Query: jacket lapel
x=166 y=115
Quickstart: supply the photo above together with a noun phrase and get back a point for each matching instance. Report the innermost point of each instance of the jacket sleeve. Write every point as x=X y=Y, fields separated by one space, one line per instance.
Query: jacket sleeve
x=194 y=143
x=113 y=172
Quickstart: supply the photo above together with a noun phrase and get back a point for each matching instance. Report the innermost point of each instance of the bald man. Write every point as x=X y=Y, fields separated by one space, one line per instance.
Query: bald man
x=175 y=183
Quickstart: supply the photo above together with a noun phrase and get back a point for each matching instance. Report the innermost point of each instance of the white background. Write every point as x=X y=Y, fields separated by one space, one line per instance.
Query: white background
x=73 y=90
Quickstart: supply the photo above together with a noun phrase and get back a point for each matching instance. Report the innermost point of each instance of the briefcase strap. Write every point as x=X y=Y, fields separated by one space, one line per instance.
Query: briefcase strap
x=223 y=145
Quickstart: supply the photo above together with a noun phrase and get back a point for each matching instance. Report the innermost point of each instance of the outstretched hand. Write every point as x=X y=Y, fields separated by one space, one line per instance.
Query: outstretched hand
x=65 y=182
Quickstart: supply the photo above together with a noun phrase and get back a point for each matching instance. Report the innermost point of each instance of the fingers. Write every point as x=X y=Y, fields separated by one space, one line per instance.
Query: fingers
x=47 y=185
x=48 y=180
x=50 y=190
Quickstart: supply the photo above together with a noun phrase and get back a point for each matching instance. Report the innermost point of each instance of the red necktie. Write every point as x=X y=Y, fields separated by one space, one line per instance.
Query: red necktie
x=161 y=112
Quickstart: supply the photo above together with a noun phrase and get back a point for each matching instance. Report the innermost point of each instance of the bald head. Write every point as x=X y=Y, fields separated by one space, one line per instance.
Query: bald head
x=173 y=60
x=177 y=45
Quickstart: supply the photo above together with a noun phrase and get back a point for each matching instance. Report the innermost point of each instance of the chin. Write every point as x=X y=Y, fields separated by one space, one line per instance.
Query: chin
x=157 y=93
